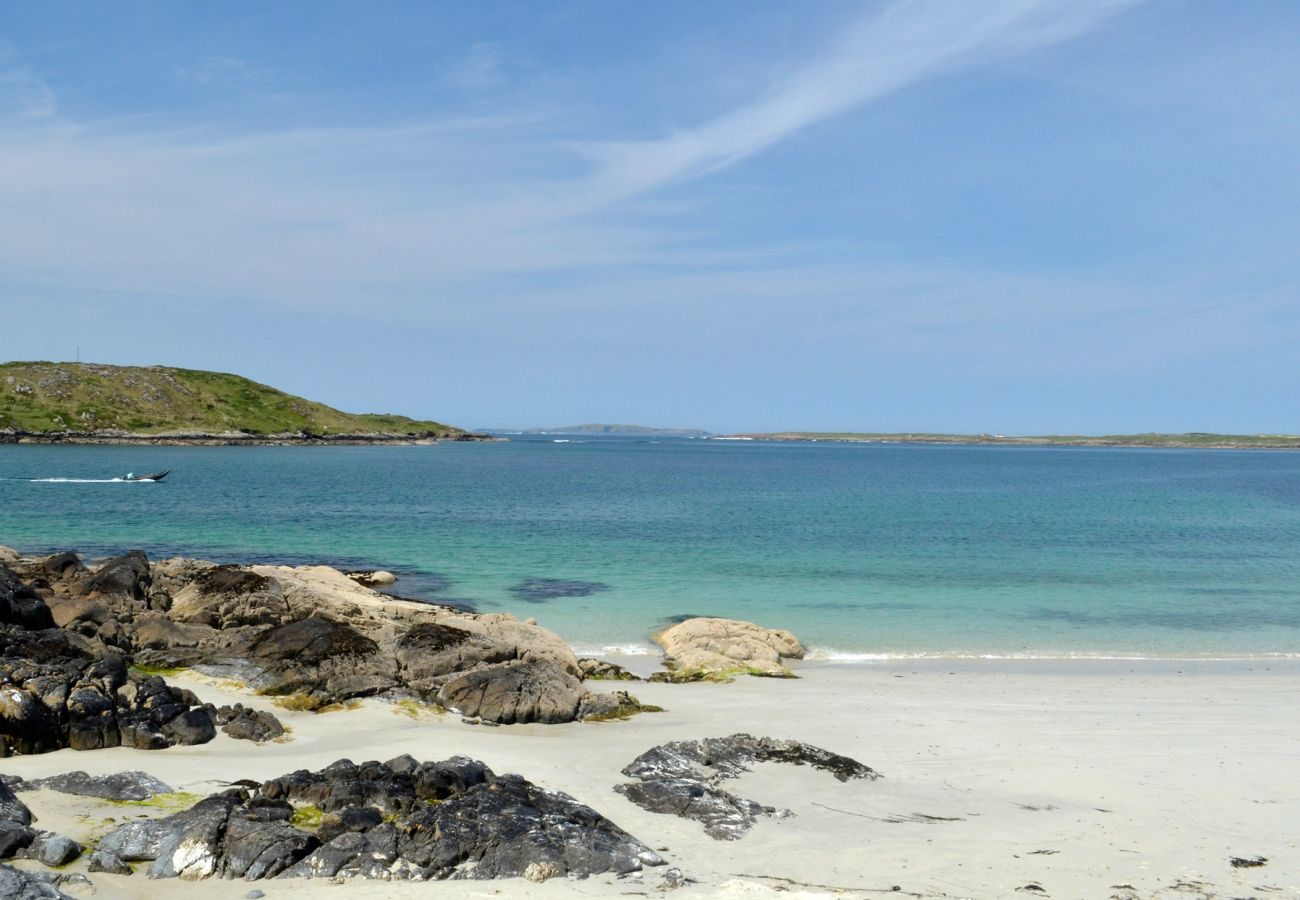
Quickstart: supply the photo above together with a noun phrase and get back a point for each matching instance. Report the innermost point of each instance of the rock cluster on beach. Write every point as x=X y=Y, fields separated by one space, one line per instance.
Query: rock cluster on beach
x=18 y=839
x=73 y=686
x=682 y=778
x=402 y=819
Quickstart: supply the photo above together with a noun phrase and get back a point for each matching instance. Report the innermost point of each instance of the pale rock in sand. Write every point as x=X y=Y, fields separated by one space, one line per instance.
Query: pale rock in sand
x=706 y=645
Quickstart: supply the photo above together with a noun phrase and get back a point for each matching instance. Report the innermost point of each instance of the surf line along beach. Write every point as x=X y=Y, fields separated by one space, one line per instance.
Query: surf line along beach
x=931 y=778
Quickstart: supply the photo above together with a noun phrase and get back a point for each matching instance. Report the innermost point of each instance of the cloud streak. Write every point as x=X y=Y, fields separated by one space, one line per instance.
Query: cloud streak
x=904 y=43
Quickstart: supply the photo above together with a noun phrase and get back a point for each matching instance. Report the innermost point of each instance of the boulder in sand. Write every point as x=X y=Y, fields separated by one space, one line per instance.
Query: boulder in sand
x=683 y=778
x=709 y=647
x=515 y=692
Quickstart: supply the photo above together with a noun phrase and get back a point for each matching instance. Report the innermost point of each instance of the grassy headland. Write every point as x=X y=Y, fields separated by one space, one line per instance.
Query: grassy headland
x=90 y=402
x=1204 y=440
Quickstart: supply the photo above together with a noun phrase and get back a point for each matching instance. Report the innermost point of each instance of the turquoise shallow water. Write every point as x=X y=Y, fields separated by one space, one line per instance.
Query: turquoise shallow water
x=862 y=550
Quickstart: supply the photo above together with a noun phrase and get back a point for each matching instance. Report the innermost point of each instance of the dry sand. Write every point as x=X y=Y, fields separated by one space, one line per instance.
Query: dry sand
x=1084 y=779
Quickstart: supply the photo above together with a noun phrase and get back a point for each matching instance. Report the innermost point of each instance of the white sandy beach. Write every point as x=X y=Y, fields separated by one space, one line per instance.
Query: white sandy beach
x=1086 y=779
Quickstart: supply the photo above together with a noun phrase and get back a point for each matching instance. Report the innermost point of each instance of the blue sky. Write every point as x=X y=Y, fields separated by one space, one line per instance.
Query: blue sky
x=1019 y=216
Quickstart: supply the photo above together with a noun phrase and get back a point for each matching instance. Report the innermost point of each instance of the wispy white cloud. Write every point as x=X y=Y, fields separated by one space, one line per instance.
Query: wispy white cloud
x=23 y=94
x=480 y=68
x=215 y=69
x=904 y=43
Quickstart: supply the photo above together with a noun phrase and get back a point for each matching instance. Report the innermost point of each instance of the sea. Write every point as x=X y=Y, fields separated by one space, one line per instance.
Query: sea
x=865 y=551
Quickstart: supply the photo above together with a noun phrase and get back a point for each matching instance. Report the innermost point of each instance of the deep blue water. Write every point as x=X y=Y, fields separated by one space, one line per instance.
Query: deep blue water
x=863 y=549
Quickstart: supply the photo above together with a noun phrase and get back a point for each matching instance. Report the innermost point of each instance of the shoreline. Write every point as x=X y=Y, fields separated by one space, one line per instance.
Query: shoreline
x=1136 y=779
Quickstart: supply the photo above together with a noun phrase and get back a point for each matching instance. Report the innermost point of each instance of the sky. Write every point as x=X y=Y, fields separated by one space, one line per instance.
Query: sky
x=1010 y=216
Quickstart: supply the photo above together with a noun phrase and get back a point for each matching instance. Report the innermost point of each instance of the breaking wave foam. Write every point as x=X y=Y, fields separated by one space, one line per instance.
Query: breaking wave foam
x=827 y=654
x=616 y=650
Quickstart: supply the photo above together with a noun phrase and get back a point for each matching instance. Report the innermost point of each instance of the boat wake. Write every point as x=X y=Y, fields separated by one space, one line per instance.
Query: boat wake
x=82 y=481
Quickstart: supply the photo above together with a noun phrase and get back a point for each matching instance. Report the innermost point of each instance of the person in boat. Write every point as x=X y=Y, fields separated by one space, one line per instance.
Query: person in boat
x=130 y=476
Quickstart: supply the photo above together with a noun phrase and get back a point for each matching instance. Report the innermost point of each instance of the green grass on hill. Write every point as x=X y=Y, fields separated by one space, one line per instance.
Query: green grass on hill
x=44 y=397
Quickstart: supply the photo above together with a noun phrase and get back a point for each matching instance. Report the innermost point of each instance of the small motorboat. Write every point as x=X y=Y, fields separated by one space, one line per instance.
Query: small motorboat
x=152 y=476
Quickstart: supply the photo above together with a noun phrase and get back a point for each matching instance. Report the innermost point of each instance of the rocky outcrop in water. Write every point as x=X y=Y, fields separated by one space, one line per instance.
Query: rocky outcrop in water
x=709 y=647
x=682 y=778
x=397 y=820
x=314 y=633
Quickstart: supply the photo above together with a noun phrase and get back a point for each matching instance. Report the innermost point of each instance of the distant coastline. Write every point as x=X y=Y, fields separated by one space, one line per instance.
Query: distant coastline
x=1190 y=440
x=613 y=430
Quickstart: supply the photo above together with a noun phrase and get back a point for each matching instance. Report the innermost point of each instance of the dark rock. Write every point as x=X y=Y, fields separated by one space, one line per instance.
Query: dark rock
x=344 y=784
x=253 y=848
x=1250 y=862
x=430 y=652
x=515 y=692
x=682 y=778
x=133 y=842
x=438 y=781
x=63 y=565
x=725 y=816
x=190 y=844
x=485 y=826
x=107 y=861
x=404 y=764
x=14 y=837
x=357 y=855
x=55 y=850
x=613 y=705
x=226 y=597
x=321 y=658
x=20 y=605
x=125 y=576
x=12 y=809
x=16 y=884
x=132 y=785
x=602 y=670
x=353 y=818
x=92 y=724
x=539 y=590
x=59 y=690
x=507 y=825
x=246 y=724
x=194 y=726
x=732 y=756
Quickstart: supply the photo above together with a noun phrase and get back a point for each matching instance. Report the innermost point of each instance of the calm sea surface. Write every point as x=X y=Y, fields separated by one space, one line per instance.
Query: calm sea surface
x=874 y=549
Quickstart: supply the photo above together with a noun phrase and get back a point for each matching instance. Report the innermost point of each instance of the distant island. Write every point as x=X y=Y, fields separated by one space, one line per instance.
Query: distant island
x=89 y=403
x=1194 y=439
x=606 y=429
